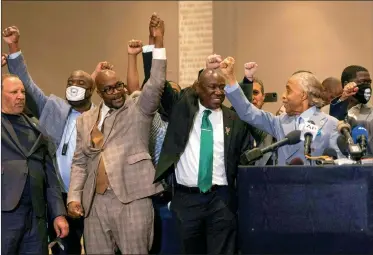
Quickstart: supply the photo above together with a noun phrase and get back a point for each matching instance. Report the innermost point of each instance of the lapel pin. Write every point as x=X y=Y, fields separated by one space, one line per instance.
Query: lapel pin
x=227 y=130
x=322 y=122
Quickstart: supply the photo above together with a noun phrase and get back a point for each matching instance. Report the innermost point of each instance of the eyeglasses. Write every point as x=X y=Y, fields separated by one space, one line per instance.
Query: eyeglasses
x=109 y=90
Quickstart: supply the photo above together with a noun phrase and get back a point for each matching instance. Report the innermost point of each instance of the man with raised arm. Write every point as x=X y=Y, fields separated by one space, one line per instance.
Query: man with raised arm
x=112 y=172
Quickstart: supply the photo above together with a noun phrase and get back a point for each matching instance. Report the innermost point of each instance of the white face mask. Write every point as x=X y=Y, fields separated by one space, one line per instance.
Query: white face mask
x=75 y=93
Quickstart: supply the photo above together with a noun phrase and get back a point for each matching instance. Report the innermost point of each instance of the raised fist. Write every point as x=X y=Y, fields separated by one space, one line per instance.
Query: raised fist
x=227 y=67
x=4 y=59
x=213 y=61
x=134 y=47
x=103 y=66
x=349 y=90
x=156 y=26
x=11 y=35
x=250 y=69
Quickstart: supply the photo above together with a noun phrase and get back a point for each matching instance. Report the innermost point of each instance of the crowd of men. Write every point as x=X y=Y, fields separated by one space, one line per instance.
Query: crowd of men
x=71 y=168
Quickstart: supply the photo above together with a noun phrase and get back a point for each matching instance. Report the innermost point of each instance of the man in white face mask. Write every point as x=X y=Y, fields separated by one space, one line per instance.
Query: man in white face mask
x=58 y=120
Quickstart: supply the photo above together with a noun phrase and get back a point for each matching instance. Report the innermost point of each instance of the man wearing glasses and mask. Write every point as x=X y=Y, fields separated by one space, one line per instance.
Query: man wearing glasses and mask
x=57 y=119
x=353 y=104
x=112 y=171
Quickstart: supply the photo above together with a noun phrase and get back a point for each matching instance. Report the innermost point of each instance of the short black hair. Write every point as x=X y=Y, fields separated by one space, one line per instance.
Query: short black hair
x=349 y=73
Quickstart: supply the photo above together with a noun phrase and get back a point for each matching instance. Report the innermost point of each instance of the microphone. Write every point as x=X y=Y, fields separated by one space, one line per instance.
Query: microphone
x=342 y=145
x=292 y=138
x=296 y=162
x=359 y=135
x=331 y=153
x=309 y=132
x=354 y=150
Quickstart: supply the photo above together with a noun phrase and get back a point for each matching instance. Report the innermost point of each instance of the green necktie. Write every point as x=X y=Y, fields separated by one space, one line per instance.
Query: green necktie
x=206 y=153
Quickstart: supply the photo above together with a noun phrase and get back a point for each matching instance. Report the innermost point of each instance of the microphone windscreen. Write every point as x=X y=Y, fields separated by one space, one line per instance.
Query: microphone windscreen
x=357 y=132
x=342 y=124
x=294 y=137
x=330 y=152
x=296 y=162
x=342 y=145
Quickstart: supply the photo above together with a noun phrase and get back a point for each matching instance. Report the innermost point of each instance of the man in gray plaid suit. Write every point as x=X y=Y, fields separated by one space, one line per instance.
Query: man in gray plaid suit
x=112 y=172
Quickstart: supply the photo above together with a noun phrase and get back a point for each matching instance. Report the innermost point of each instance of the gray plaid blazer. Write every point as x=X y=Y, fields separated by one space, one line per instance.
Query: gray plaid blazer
x=125 y=150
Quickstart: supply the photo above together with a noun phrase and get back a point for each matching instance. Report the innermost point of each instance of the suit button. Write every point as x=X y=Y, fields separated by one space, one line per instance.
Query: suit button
x=24 y=174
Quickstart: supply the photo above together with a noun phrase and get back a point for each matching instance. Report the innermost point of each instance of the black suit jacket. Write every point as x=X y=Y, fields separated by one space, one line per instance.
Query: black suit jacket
x=17 y=163
x=182 y=107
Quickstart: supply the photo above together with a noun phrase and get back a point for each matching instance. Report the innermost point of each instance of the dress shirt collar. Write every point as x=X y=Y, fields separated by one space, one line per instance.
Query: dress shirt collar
x=202 y=108
x=306 y=115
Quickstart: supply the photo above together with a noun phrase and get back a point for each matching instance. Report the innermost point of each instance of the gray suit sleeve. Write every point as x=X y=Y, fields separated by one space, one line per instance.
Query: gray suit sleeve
x=18 y=67
x=78 y=174
x=247 y=112
x=150 y=97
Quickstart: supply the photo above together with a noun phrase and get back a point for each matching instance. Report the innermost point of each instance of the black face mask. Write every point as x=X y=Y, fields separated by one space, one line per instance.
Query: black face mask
x=364 y=93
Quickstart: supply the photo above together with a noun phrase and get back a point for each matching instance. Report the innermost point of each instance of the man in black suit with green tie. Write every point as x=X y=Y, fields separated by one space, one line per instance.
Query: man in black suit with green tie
x=203 y=144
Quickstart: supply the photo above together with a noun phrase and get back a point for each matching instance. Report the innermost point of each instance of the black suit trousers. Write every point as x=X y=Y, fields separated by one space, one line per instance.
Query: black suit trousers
x=22 y=232
x=206 y=222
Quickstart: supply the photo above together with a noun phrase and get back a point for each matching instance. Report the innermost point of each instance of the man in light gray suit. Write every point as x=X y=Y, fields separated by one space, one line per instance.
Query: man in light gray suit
x=302 y=101
x=57 y=118
x=112 y=172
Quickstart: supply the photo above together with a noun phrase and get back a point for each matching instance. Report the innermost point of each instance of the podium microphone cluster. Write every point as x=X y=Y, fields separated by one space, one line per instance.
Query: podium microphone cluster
x=352 y=149
x=249 y=156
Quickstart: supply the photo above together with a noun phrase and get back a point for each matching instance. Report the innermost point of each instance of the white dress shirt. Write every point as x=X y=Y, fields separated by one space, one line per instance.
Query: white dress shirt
x=187 y=167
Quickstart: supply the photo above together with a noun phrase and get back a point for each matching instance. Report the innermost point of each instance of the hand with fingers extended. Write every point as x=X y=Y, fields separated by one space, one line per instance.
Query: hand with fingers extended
x=134 y=47
x=75 y=209
x=213 y=61
x=250 y=70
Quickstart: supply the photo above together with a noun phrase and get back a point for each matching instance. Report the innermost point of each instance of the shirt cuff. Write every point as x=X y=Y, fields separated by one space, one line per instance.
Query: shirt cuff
x=230 y=89
x=159 y=53
x=14 y=55
x=147 y=48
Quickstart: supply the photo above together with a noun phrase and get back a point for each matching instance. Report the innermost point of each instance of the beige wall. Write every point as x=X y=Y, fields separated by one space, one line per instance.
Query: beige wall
x=59 y=37
x=282 y=37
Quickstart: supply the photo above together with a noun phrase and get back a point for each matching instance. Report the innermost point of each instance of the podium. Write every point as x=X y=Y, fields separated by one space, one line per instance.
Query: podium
x=305 y=210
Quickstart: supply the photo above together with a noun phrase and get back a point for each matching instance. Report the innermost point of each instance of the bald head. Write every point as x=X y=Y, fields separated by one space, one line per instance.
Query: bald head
x=332 y=87
x=104 y=77
x=84 y=76
x=111 y=89
x=210 y=88
x=79 y=90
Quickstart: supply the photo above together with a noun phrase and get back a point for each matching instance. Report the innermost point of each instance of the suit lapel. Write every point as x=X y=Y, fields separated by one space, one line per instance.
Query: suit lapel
x=39 y=139
x=228 y=127
x=288 y=125
x=110 y=121
x=9 y=128
x=319 y=119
